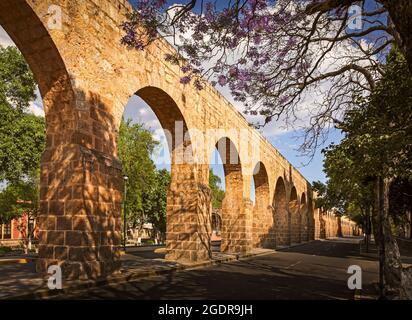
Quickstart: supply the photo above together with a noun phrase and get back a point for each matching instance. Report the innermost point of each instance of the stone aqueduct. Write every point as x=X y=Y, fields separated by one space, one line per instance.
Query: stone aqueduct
x=86 y=77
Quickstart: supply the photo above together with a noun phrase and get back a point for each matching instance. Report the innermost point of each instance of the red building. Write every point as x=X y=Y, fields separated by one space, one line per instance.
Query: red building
x=13 y=233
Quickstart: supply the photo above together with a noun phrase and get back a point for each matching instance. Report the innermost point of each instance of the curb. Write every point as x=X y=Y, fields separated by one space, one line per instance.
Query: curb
x=127 y=277
x=295 y=245
x=16 y=261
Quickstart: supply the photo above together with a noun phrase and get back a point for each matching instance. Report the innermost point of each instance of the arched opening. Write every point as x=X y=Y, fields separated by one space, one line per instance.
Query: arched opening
x=281 y=214
x=234 y=234
x=263 y=233
x=58 y=101
x=143 y=150
x=217 y=186
x=187 y=203
x=294 y=217
x=22 y=137
x=216 y=229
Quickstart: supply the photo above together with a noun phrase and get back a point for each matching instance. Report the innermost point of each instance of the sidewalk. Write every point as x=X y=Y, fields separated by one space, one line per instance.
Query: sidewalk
x=406 y=256
x=20 y=281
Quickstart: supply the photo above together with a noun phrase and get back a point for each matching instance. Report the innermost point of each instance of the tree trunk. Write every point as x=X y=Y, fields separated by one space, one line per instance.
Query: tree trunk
x=400 y=12
x=397 y=280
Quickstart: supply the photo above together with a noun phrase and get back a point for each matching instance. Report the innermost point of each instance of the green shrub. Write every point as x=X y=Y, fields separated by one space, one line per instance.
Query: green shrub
x=4 y=250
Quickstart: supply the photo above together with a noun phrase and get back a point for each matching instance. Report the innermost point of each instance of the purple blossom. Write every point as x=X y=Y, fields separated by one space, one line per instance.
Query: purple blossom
x=185 y=68
x=222 y=80
x=185 y=80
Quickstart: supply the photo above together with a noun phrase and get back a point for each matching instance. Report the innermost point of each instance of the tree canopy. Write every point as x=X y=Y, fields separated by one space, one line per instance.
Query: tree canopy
x=17 y=84
x=217 y=193
x=22 y=138
x=377 y=143
x=18 y=198
x=278 y=57
x=146 y=186
x=22 y=135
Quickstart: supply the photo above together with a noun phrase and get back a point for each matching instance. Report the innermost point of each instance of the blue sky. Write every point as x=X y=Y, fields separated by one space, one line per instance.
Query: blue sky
x=282 y=139
x=286 y=142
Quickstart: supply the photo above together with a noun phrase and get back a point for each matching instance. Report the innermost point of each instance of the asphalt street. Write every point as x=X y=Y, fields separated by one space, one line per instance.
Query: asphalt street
x=316 y=270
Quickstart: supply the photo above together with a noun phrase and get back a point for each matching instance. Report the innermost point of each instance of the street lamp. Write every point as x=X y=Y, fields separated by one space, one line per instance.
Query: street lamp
x=125 y=178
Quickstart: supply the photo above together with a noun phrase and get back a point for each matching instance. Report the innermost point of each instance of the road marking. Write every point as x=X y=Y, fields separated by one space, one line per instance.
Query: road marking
x=294 y=264
x=357 y=295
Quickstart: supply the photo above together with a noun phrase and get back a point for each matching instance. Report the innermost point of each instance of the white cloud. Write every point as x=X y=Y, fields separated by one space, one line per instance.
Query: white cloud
x=5 y=40
x=36 y=109
x=341 y=54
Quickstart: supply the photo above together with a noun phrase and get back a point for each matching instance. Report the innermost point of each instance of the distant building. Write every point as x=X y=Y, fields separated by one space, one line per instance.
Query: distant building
x=139 y=235
x=216 y=224
x=13 y=233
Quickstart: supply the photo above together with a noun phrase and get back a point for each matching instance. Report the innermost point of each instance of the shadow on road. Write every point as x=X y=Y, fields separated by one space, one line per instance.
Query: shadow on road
x=291 y=274
x=338 y=248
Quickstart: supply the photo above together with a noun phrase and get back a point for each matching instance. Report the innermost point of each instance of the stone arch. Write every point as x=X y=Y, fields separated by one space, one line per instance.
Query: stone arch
x=39 y=50
x=281 y=213
x=262 y=230
x=304 y=218
x=66 y=235
x=294 y=217
x=172 y=122
x=189 y=215
x=235 y=209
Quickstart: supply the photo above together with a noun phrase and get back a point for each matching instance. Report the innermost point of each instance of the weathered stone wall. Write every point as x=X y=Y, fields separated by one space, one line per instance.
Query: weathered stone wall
x=329 y=225
x=86 y=78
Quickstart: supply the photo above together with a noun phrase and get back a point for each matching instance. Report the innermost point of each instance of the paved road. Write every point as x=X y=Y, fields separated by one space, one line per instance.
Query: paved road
x=317 y=270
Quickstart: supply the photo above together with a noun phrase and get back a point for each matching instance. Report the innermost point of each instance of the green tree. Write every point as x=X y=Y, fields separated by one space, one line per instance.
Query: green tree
x=377 y=149
x=22 y=135
x=136 y=144
x=158 y=200
x=17 y=84
x=22 y=139
x=217 y=193
x=21 y=198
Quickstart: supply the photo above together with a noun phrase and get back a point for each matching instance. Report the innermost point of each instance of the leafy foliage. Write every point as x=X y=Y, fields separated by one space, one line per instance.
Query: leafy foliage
x=18 y=198
x=379 y=133
x=217 y=193
x=146 y=187
x=272 y=53
x=22 y=141
x=22 y=135
x=17 y=84
x=157 y=211
x=22 y=138
x=377 y=143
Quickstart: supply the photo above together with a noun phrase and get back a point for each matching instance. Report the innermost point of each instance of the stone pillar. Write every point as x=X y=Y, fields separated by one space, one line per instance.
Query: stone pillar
x=304 y=223
x=295 y=236
x=81 y=189
x=282 y=225
x=317 y=219
x=263 y=230
x=280 y=213
x=237 y=217
x=189 y=214
x=311 y=221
